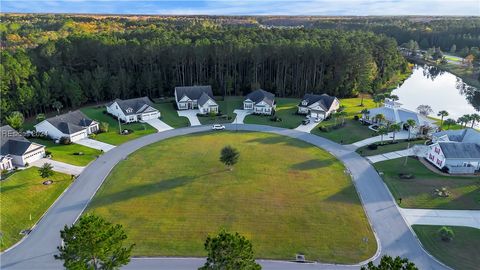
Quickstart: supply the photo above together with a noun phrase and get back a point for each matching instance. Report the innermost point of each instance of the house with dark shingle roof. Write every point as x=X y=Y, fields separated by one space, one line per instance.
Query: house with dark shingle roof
x=16 y=150
x=456 y=150
x=73 y=125
x=318 y=106
x=196 y=97
x=133 y=110
x=260 y=102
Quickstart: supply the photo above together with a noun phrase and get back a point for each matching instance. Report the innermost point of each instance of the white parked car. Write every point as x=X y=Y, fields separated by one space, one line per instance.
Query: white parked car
x=317 y=120
x=218 y=127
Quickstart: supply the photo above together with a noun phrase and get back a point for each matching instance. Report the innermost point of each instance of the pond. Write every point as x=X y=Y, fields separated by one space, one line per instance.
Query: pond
x=441 y=90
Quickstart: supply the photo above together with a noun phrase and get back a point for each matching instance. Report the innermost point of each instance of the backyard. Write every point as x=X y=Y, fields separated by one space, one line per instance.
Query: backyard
x=286 y=110
x=65 y=153
x=459 y=253
x=286 y=196
x=353 y=130
x=419 y=192
x=24 y=199
x=112 y=136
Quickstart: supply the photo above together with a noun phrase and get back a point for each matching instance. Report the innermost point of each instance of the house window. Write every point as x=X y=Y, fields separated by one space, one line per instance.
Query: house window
x=129 y=110
x=439 y=162
x=304 y=103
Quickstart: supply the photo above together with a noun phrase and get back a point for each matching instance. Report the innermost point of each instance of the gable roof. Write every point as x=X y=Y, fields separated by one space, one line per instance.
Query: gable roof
x=13 y=143
x=193 y=92
x=467 y=135
x=260 y=95
x=203 y=99
x=137 y=105
x=325 y=101
x=401 y=115
x=460 y=150
x=71 y=122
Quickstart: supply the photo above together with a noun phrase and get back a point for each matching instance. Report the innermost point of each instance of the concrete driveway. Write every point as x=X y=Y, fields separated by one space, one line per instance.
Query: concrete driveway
x=392 y=233
x=241 y=114
x=95 y=144
x=158 y=124
x=308 y=127
x=59 y=166
x=192 y=116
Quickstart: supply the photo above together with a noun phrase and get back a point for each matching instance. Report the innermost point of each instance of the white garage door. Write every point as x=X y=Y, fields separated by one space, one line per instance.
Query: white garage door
x=148 y=116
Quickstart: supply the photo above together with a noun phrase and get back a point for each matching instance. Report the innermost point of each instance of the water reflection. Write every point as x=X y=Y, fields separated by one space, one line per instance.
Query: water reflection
x=439 y=89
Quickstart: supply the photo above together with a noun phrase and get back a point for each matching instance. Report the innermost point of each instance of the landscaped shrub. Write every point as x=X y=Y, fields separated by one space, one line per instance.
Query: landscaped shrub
x=323 y=129
x=275 y=119
x=373 y=146
x=446 y=234
x=48 y=153
x=65 y=140
x=406 y=176
x=445 y=169
x=104 y=126
x=356 y=118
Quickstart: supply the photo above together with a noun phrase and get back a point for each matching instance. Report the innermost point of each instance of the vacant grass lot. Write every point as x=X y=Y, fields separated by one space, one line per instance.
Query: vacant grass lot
x=227 y=107
x=353 y=131
x=169 y=114
x=113 y=136
x=419 y=192
x=64 y=153
x=285 y=195
x=388 y=147
x=460 y=253
x=23 y=195
x=286 y=110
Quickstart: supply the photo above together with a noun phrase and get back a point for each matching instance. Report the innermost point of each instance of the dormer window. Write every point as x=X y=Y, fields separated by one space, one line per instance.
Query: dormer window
x=304 y=103
x=129 y=110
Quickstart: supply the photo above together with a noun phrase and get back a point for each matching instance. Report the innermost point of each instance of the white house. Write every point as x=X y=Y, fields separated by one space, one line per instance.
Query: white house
x=133 y=110
x=74 y=125
x=318 y=105
x=16 y=150
x=394 y=113
x=193 y=97
x=260 y=101
x=457 y=150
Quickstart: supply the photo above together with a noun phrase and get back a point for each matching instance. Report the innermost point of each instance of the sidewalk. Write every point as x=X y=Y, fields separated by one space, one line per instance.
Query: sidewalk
x=59 y=166
x=401 y=135
x=469 y=218
x=416 y=150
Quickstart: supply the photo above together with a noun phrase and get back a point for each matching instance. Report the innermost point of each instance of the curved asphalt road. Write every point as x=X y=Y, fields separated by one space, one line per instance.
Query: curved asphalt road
x=394 y=236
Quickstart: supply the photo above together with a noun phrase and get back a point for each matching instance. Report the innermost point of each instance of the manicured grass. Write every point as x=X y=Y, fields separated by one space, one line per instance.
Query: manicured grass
x=227 y=107
x=113 y=136
x=388 y=146
x=459 y=253
x=419 y=192
x=285 y=195
x=64 y=153
x=286 y=110
x=23 y=195
x=169 y=114
x=353 y=131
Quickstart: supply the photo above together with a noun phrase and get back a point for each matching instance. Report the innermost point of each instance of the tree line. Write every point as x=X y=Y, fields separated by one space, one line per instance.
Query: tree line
x=94 y=60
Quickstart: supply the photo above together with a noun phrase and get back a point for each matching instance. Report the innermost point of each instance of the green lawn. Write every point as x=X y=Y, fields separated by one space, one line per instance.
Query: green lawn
x=460 y=253
x=285 y=195
x=227 y=107
x=64 y=153
x=388 y=147
x=353 y=131
x=286 y=110
x=113 y=136
x=169 y=114
x=419 y=192
x=23 y=195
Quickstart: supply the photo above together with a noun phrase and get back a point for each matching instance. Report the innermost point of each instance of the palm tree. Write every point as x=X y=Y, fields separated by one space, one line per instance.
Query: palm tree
x=378 y=99
x=449 y=122
x=474 y=118
x=394 y=128
x=382 y=131
x=380 y=118
x=442 y=114
x=464 y=120
x=411 y=124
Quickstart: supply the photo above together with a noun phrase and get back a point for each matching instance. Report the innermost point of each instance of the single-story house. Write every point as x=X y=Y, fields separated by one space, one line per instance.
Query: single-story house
x=260 y=101
x=318 y=105
x=133 y=110
x=457 y=150
x=193 y=97
x=74 y=125
x=394 y=113
x=16 y=150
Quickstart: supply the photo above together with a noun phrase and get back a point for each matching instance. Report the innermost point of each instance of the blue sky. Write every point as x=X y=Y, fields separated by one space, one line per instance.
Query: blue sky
x=248 y=7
